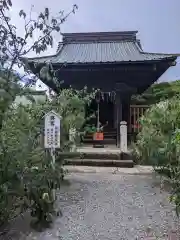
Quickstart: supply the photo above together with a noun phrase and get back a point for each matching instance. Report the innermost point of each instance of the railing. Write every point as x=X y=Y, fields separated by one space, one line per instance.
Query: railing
x=136 y=111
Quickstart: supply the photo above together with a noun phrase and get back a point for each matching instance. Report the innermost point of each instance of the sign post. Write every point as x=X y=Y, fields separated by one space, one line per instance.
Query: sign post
x=52 y=135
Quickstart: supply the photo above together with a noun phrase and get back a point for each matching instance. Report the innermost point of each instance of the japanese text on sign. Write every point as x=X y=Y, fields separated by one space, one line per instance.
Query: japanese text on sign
x=52 y=130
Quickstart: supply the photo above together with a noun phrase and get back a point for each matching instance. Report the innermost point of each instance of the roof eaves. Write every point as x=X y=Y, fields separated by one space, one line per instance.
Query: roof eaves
x=49 y=57
x=161 y=55
x=155 y=60
x=60 y=47
x=164 y=54
x=39 y=58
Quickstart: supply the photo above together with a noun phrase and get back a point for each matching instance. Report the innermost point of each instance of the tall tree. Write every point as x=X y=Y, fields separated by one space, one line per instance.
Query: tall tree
x=13 y=48
x=21 y=127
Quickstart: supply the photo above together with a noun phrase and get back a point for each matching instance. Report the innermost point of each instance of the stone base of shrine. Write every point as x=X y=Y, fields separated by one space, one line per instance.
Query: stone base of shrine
x=100 y=163
x=104 y=157
x=107 y=149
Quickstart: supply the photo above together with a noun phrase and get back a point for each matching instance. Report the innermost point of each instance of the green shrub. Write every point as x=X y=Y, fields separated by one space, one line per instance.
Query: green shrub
x=157 y=128
x=27 y=177
x=158 y=143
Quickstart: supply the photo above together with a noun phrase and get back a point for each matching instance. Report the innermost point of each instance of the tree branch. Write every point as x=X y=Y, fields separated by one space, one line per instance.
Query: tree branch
x=62 y=20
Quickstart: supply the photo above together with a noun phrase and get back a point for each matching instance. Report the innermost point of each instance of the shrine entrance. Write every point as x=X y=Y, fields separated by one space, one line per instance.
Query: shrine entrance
x=101 y=109
x=106 y=114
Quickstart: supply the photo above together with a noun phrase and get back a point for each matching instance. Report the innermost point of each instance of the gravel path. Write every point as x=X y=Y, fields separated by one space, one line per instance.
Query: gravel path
x=110 y=207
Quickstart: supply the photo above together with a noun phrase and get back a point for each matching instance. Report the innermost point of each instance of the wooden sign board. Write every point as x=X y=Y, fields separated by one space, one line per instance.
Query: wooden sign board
x=52 y=134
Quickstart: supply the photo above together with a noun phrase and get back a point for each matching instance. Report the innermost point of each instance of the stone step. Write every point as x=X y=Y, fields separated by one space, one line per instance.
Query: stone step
x=105 y=133
x=100 y=162
x=106 y=141
x=96 y=154
x=105 y=137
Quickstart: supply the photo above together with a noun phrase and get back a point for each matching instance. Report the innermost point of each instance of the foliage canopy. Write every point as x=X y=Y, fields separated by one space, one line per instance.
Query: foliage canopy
x=157 y=92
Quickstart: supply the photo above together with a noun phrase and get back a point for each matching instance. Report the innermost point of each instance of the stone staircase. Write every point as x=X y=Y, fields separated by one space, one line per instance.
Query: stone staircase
x=106 y=157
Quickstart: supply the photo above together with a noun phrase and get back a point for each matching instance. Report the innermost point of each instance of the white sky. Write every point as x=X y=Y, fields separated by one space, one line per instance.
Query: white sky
x=156 y=20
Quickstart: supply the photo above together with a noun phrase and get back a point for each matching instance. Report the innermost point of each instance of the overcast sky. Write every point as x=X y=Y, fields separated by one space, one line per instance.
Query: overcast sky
x=158 y=21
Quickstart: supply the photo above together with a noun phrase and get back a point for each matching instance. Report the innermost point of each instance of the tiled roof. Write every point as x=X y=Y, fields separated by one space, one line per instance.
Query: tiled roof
x=101 y=48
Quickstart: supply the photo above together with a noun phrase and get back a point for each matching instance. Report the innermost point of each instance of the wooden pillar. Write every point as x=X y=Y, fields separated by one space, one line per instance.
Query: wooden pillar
x=123 y=93
x=118 y=105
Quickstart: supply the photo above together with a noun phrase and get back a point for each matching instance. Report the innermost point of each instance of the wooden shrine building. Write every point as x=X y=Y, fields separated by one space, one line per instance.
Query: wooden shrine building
x=113 y=62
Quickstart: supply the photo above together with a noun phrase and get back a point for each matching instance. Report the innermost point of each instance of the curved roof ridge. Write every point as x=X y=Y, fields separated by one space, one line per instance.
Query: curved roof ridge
x=99 y=36
x=101 y=32
x=96 y=34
